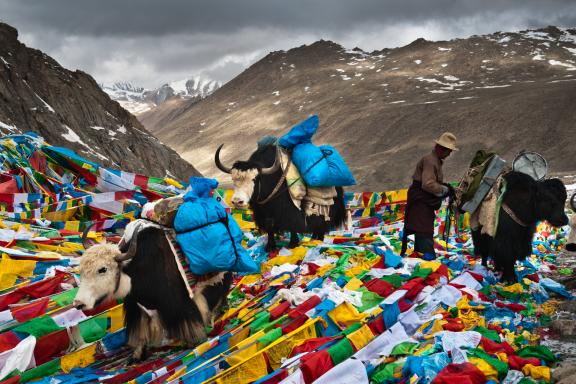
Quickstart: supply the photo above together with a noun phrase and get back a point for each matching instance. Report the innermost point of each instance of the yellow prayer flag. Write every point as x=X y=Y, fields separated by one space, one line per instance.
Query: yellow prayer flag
x=353 y=284
x=116 y=315
x=72 y=226
x=246 y=373
x=79 y=359
x=250 y=279
x=514 y=288
x=244 y=352
x=173 y=182
x=537 y=372
x=239 y=336
x=282 y=348
x=361 y=337
x=489 y=371
x=345 y=315
x=11 y=269
x=433 y=265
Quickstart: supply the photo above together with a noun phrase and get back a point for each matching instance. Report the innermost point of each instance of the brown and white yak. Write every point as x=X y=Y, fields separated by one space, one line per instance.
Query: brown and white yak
x=143 y=271
x=259 y=184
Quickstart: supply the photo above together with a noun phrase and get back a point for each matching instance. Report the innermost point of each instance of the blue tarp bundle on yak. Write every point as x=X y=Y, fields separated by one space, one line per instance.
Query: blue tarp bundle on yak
x=320 y=166
x=209 y=237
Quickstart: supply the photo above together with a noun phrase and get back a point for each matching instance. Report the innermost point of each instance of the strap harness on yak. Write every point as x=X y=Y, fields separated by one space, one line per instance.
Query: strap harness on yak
x=276 y=190
x=513 y=216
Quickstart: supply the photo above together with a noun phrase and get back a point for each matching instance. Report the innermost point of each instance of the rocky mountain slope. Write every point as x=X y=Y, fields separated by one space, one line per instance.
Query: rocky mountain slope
x=505 y=92
x=69 y=109
x=138 y=100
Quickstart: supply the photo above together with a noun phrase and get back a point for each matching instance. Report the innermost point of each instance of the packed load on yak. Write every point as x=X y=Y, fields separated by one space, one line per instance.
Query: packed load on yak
x=314 y=170
x=291 y=185
x=320 y=166
x=208 y=236
x=505 y=204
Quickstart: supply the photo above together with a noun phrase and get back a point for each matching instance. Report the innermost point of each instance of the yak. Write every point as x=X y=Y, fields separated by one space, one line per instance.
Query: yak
x=525 y=203
x=259 y=184
x=143 y=271
x=571 y=243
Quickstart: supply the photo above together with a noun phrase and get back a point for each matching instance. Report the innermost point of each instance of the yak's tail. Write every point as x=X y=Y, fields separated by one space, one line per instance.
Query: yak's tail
x=338 y=212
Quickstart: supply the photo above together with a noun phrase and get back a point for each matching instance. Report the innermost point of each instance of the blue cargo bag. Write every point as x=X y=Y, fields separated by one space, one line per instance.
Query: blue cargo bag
x=209 y=237
x=300 y=133
x=321 y=166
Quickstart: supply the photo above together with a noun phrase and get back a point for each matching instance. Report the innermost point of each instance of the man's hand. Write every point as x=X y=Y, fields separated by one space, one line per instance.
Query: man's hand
x=449 y=190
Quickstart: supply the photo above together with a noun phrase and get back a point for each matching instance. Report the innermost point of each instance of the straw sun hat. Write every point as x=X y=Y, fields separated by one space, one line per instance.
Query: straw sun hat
x=447 y=140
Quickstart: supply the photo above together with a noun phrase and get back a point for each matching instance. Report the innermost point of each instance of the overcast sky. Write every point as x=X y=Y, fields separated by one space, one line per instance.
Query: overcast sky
x=150 y=42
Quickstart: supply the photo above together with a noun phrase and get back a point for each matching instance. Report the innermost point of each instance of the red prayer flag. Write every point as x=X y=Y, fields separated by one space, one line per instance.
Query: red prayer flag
x=8 y=340
x=315 y=365
x=29 y=311
x=50 y=346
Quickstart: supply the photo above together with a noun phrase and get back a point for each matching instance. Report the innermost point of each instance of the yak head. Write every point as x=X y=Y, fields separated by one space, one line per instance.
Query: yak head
x=244 y=175
x=101 y=275
x=550 y=202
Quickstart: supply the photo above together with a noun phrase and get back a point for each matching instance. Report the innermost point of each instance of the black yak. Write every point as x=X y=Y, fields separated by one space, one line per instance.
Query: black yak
x=525 y=203
x=259 y=184
x=571 y=243
x=143 y=271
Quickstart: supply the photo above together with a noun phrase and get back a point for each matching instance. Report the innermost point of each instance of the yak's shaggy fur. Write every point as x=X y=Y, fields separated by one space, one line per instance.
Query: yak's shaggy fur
x=531 y=201
x=156 y=301
x=279 y=214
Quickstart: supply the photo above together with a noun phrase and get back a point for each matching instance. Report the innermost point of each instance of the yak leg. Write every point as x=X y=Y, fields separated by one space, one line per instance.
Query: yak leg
x=504 y=255
x=404 y=243
x=480 y=246
x=318 y=236
x=271 y=245
x=294 y=240
x=140 y=354
x=508 y=274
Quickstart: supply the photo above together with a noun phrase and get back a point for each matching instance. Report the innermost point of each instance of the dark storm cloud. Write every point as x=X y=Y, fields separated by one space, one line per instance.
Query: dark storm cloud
x=132 y=18
x=152 y=41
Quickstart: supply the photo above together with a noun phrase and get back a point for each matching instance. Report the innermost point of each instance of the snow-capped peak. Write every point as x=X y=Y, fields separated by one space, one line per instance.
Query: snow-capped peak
x=138 y=99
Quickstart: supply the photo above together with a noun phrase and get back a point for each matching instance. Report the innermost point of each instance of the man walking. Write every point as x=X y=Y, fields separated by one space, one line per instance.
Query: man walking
x=425 y=196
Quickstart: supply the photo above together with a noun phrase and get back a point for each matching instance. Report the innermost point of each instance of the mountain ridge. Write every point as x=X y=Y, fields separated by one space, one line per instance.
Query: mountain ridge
x=505 y=92
x=69 y=109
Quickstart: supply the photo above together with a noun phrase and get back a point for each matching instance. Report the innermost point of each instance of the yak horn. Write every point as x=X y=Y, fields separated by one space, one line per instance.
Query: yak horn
x=131 y=252
x=272 y=169
x=219 y=163
x=85 y=236
x=573 y=202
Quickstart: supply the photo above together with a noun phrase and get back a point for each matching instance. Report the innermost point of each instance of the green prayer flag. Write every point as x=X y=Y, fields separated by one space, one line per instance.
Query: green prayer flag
x=46 y=369
x=488 y=333
x=500 y=366
x=260 y=321
x=526 y=380
x=270 y=337
x=353 y=328
x=423 y=273
x=405 y=348
x=93 y=329
x=395 y=280
x=384 y=372
x=38 y=326
x=540 y=352
x=65 y=298
x=341 y=351
x=369 y=299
